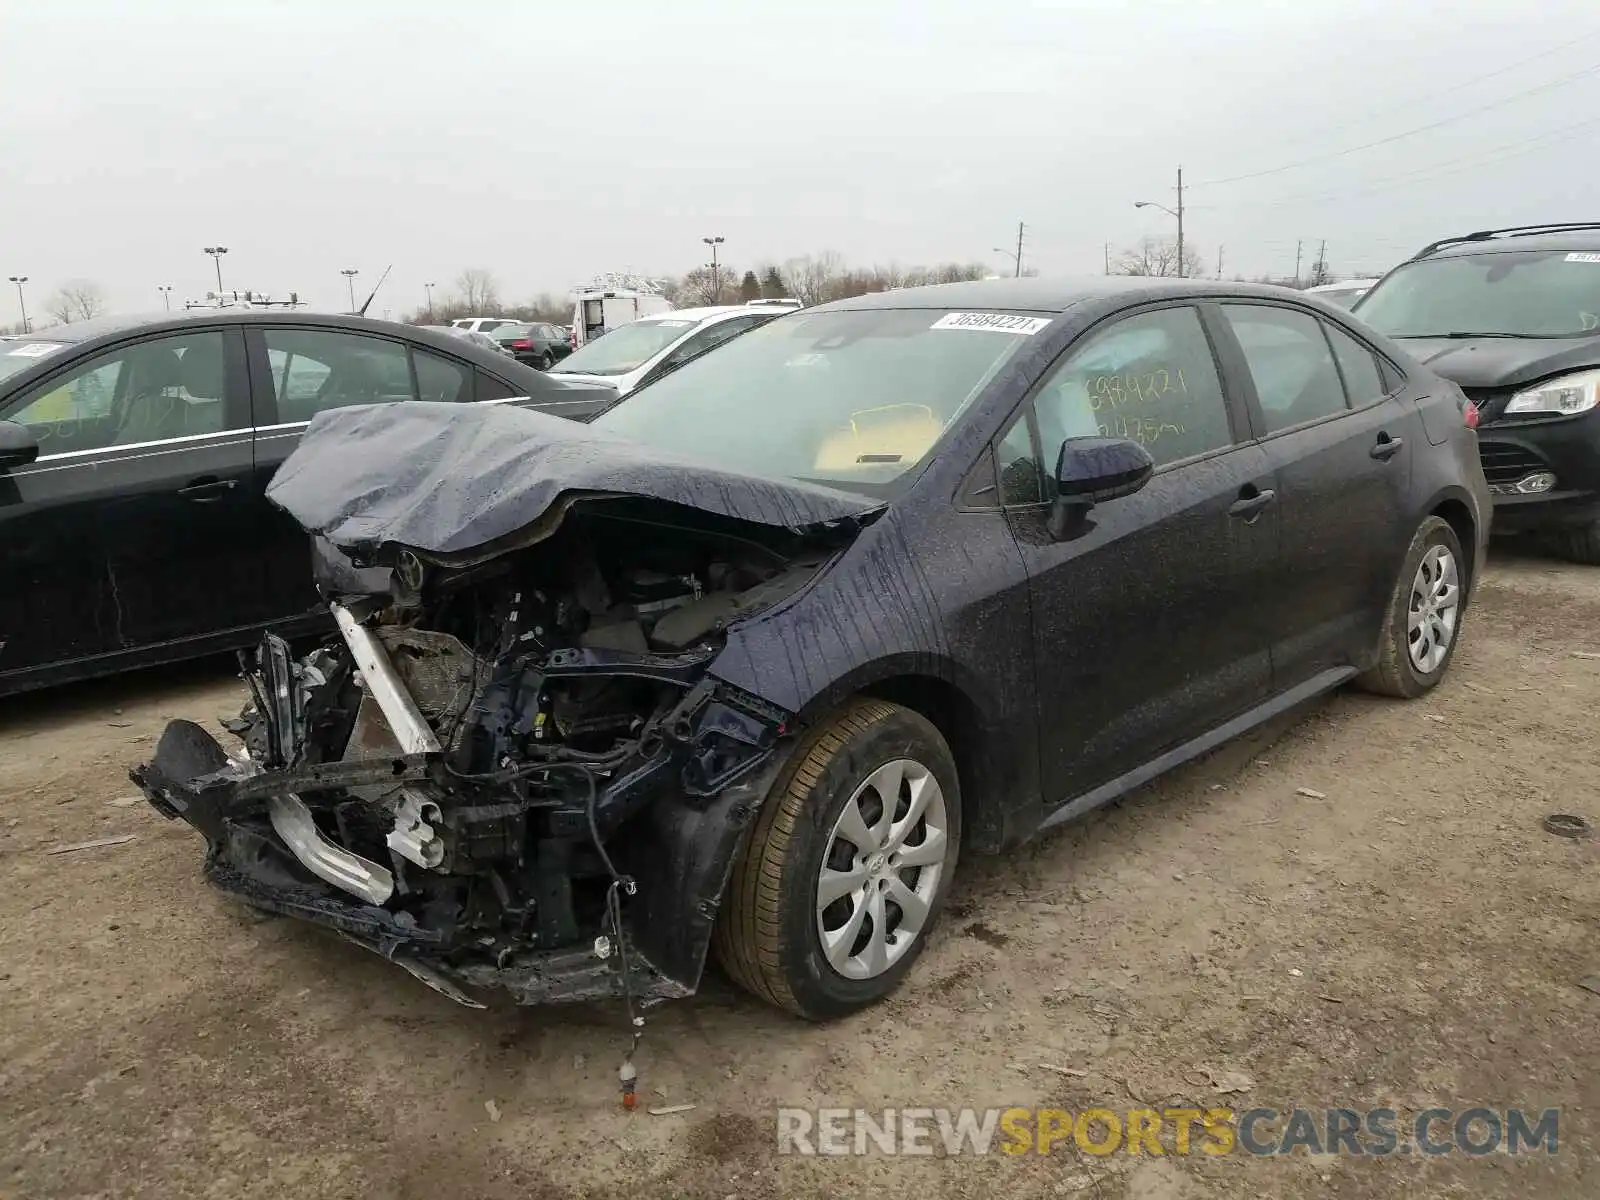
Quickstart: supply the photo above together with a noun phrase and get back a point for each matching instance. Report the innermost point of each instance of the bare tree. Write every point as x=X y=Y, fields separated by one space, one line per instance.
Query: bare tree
x=1159 y=257
x=76 y=300
x=811 y=279
x=479 y=291
x=698 y=287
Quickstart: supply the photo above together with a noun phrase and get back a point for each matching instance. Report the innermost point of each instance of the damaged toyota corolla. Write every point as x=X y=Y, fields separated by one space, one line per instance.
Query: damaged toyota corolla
x=748 y=661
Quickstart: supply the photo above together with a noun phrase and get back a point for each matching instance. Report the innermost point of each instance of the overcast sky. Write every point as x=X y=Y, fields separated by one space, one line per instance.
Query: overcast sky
x=551 y=141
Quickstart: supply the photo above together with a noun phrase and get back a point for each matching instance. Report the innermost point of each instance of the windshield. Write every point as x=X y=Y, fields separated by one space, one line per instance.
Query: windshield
x=1520 y=293
x=851 y=398
x=23 y=353
x=624 y=348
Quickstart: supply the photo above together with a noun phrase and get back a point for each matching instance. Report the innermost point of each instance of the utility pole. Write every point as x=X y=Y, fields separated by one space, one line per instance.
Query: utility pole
x=1180 y=222
x=1220 y=249
x=350 y=274
x=716 y=289
x=1298 y=247
x=428 y=288
x=1108 y=258
x=1018 y=275
x=1320 y=271
x=19 y=280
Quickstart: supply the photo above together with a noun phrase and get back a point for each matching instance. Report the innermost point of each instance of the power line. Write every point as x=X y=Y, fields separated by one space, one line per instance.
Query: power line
x=1395 y=137
x=1318 y=131
x=1432 y=171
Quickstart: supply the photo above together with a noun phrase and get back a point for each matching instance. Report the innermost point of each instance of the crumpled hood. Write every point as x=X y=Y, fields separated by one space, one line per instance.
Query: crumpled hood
x=448 y=480
x=1503 y=362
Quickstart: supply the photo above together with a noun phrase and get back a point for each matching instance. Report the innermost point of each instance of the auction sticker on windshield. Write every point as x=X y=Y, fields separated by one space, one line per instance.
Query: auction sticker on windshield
x=1583 y=256
x=996 y=322
x=34 y=350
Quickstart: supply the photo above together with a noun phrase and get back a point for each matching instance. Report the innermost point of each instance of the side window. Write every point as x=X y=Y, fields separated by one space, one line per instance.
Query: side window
x=1020 y=479
x=440 y=379
x=1362 y=380
x=708 y=339
x=1150 y=378
x=1290 y=362
x=149 y=392
x=314 y=370
x=488 y=387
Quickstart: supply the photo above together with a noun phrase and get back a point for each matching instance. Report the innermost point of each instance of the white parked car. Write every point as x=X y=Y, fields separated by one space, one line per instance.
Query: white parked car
x=1344 y=293
x=482 y=324
x=646 y=349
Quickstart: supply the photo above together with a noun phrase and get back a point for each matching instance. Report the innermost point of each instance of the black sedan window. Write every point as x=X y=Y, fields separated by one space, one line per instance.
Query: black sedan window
x=148 y=392
x=314 y=370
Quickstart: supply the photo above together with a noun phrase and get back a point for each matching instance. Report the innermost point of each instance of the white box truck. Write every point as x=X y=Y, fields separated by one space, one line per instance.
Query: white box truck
x=609 y=302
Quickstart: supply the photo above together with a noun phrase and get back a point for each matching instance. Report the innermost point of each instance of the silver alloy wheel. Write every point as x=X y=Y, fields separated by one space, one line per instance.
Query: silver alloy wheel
x=881 y=869
x=1433 y=611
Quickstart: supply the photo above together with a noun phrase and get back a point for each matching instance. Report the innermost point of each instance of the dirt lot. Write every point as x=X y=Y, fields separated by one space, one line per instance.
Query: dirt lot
x=1413 y=938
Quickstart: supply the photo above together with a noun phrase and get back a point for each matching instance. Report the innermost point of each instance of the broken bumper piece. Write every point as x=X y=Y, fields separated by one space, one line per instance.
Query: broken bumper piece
x=265 y=848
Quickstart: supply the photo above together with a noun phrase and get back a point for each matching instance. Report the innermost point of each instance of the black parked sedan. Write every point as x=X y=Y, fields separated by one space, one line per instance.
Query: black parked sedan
x=134 y=458
x=751 y=658
x=537 y=344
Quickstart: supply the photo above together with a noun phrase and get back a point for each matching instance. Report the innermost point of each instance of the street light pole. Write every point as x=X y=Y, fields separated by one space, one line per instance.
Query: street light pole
x=216 y=253
x=166 y=295
x=19 y=280
x=1176 y=213
x=350 y=274
x=428 y=288
x=1014 y=255
x=714 y=242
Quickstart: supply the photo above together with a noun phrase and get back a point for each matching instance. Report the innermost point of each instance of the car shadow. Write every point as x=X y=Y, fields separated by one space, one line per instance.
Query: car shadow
x=167 y=688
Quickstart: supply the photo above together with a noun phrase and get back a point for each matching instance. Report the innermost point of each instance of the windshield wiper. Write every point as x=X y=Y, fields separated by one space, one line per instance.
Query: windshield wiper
x=1458 y=335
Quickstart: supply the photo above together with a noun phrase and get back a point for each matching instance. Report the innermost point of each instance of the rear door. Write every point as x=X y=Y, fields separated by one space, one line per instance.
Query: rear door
x=1341 y=442
x=1148 y=626
x=126 y=533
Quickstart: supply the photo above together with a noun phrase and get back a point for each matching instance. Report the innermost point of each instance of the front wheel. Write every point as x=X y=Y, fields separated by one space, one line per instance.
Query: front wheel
x=1581 y=545
x=1423 y=622
x=848 y=865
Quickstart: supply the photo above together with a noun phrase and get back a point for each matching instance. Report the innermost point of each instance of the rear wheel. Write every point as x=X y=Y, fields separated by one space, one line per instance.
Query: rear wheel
x=848 y=865
x=1424 y=617
x=544 y=362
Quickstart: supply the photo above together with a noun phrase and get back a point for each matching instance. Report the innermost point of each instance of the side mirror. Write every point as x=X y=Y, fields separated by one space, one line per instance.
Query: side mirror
x=1090 y=471
x=18 y=446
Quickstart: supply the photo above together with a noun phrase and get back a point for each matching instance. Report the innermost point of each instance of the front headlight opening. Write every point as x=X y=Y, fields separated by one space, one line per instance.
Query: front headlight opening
x=1561 y=397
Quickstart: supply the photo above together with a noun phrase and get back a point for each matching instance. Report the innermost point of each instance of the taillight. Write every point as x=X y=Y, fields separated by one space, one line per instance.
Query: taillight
x=522 y=344
x=1470 y=415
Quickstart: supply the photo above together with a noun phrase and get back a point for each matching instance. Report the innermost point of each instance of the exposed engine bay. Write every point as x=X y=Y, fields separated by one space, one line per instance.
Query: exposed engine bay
x=514 y=774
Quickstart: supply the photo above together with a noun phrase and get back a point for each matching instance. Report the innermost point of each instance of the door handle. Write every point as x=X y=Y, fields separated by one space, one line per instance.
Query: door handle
x=1386 y=447
x=1249 y=506
x=207 y=488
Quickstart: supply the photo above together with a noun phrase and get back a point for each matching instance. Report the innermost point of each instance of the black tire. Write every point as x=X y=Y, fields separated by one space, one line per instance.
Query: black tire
x=1580 y=545
x=545 y=362
x=767 y=936
x=1396 y=674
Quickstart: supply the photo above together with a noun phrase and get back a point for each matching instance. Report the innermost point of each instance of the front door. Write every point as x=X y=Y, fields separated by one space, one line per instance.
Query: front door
x=1148 y=623
x=125 y=534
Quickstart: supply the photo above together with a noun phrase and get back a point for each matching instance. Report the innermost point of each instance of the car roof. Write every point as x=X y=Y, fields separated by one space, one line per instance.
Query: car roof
x=1047 y=295
x=1344 y=285
x=1511 y=242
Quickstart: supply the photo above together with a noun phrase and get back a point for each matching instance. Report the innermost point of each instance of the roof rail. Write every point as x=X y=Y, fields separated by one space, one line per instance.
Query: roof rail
x=1484 y=235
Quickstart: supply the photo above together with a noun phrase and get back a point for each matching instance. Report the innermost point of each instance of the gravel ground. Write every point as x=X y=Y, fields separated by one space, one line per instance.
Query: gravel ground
x=1409 y=937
